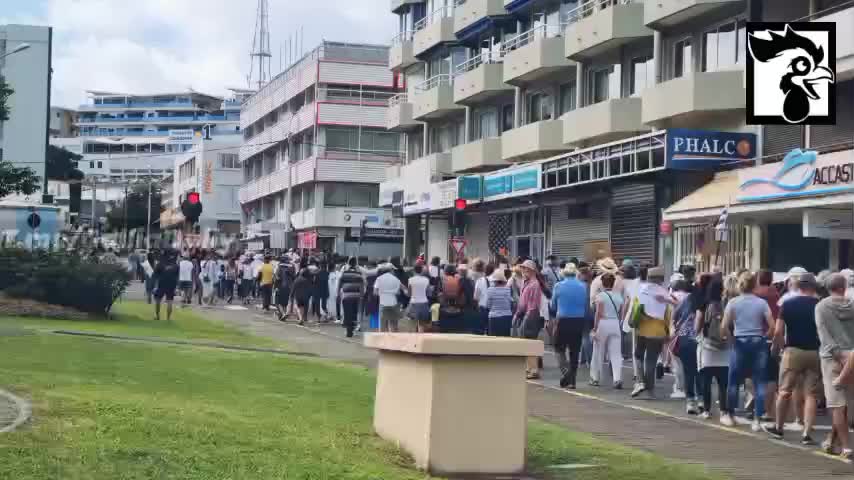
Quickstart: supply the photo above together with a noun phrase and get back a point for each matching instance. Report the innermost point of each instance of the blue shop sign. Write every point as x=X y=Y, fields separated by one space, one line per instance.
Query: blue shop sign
x=469 y=187
x=507 y=184
x=707 y=150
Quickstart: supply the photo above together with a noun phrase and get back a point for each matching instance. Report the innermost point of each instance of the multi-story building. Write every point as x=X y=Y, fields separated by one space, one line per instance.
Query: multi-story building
x=315 y=150
x=63 y=122
x=25 y=64
x=558 y=119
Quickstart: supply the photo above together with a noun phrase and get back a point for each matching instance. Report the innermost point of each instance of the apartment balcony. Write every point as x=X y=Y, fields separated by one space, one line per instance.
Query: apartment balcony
x=602 y=25
x=532 y=141
x=602 y=122
x=434 y=98
x=480 y=79
x=843 y=18
x=398 y=116
x=396 y=5
x=660 y=14
x=534 y=55
x=427 y=169
x=400 y=54
x=469 y=13
x=263 y=186
x=700 y=95
x=433 y=30
x=478 y=155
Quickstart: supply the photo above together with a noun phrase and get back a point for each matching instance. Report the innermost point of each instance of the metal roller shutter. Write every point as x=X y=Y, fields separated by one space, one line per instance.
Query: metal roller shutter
x=634 y=222
x=570 y=235
x=840 y=136
x=778 y=140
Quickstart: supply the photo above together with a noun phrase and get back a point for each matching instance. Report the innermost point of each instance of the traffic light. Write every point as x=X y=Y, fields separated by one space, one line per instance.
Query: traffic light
x=458 y=218
x=191 y=207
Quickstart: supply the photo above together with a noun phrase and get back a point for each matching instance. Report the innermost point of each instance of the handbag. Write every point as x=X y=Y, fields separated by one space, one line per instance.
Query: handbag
x=637 y=314
x=532 y=324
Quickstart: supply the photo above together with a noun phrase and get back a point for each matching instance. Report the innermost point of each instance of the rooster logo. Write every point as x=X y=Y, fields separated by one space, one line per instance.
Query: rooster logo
x=800 y=58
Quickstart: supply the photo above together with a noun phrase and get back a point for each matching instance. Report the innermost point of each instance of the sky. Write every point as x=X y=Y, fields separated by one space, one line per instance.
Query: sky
x=139 y=46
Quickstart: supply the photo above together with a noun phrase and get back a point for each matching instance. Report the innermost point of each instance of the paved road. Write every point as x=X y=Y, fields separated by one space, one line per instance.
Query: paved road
x=660 y=426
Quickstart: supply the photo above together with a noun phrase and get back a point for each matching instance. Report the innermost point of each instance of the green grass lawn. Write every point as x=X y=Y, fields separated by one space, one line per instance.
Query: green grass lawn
x=121 y=410
x=136 y=318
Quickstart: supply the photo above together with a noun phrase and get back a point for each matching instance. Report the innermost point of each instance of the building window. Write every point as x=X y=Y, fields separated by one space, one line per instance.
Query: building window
x=100 y=165
x=683 y=58
x=91 y=164
x=724 y=45
x=334 y=196
x=484 y=124
x=643 y=74
x=567 y=97
x=186 y=170
x=604 y=83
x=348 y=195
x=228 y=160
x=539 y=107
x=507 y=117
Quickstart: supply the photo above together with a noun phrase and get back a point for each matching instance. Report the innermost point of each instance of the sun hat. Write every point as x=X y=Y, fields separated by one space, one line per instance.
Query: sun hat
x=796 y=272
x=529 y=264
x=570 y=270
x=607 y=265
x=498 y=276
x=655 y=272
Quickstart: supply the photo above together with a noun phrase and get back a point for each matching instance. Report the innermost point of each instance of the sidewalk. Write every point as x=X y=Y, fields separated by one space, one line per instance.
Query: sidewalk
x=659 y=426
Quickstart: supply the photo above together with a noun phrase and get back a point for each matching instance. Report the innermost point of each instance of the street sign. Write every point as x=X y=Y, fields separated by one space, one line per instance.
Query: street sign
x=34 y=220
x=666 y=228
x=458 y=244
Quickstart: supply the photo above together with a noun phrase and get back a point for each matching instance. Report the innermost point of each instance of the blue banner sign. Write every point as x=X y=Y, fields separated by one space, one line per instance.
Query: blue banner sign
x=511 y=183
x=469 y=187
x=707 y=150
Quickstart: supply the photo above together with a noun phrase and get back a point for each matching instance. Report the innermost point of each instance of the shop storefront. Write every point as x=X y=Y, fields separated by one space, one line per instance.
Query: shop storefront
x=799 y=211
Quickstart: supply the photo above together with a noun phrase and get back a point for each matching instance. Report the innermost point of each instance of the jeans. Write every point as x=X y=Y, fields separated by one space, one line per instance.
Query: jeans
x=482 y=324
x=647 y=350
x=586 y=347
x=687 y=353
x=500 y=326
x=569 y=335
x=266 y=295
x=718 y=374
x=351 y=314
x=748 y=353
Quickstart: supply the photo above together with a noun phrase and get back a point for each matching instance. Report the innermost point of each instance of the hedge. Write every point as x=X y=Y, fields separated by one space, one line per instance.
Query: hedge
x=62 y=278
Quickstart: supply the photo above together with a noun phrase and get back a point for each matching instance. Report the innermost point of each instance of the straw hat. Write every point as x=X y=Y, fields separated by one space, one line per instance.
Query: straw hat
x=607 y=265
x=530 y=265
x=655 y=272
x=570 y=270
x=498 y=276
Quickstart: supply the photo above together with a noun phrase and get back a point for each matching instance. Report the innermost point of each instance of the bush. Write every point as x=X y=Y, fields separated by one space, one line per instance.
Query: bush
x=61 y=278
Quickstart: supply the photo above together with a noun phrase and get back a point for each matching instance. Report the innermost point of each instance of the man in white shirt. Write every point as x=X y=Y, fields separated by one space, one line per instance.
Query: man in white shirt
x=185 y=279
x=386 y=287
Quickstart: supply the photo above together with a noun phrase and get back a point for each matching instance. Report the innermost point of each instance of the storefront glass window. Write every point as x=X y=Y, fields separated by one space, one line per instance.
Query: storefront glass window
x=334 y=196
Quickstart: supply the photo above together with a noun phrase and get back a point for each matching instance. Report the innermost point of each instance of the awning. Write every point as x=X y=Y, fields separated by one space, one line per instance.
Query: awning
x=707 y=201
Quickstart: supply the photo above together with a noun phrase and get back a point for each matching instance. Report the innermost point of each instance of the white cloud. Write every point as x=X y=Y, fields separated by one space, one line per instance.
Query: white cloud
x=161 y=45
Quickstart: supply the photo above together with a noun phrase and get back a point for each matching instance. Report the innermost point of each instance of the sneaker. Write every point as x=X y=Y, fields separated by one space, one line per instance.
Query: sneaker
x=705 y=416
x=772 y=431
x=846 y=454
x=564 y=380
x=807 y=440
x=639 y=388
x=755 y=426
x=691 y=408
x=571 y=386
x=727 y=420
x=594 y=383
x=677 y=394
x=827 y=446
x=618 y=385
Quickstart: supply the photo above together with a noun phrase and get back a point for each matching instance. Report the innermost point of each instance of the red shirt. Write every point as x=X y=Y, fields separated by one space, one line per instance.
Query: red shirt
x=770 y=295
x=531 y=296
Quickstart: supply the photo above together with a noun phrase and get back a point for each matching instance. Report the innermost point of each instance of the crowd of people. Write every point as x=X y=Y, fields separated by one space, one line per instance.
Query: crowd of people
x=785 y=342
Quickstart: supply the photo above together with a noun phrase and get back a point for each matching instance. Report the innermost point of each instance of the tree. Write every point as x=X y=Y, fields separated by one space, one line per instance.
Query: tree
x=14 y=179
x=137 y=208
x=60 y=164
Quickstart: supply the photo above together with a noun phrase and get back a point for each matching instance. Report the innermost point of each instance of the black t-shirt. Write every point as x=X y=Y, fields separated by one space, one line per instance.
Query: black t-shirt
x=799 y=315
x=166 y=275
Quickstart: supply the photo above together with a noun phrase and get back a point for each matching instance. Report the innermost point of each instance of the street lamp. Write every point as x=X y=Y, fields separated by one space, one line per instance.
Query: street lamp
x=20 y=48
x=148 y=223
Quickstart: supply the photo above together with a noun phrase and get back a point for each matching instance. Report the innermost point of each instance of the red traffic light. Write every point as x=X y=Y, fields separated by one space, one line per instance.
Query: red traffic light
x=461 y=204
x=193 y=198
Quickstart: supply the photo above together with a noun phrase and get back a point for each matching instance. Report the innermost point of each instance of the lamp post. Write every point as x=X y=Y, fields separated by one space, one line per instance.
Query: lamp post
x=20 y=48
x=148 y=223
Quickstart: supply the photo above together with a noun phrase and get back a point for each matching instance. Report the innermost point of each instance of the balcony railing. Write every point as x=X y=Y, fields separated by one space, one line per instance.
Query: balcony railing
x=137 y=104
x=171 y=119
x=433 y=82
x=441 y=12
x=401 y=37
x=587 y=9
x=397 y=99
x=362 y=97
x=524 y=38
x=490 y=56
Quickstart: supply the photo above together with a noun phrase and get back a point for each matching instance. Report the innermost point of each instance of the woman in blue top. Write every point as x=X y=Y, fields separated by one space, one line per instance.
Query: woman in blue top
x=498 y=304
x=570 y=302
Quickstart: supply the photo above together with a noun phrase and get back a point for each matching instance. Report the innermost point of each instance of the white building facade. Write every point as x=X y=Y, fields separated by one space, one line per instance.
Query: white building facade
x=315 y=151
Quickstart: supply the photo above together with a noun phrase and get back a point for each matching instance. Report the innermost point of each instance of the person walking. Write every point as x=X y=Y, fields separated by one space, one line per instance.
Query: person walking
x=387 y=287
x=750 y=320
x=321 y=287
x=301 y=295
x=419 y=305
x=714 y=350
x=209 y=269
x=165 y=277
x=230 y=280
x=606 y=333
x=350 y=290
x=185 y=279
x=528 y=317
x=265 y=283
x=801 y=364
x=685 y=348
x=651 y=327
x=451 y=302
x=284 y=280
x=247 y=281
x=480 y=288
x=499 y=305
x=834 y=317
x=569 y=302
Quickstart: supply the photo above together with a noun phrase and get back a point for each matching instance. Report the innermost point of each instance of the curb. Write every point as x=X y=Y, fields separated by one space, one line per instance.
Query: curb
x=24 y=411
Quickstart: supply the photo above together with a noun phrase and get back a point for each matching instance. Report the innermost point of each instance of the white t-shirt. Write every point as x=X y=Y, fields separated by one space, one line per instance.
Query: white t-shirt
x=418 y=288
x=480 y=291
x=185 y=271
x=247 y=271
x=387 y=287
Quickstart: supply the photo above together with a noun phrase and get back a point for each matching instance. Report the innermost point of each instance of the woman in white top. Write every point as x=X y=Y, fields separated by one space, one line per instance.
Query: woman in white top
x=607 y=333
x=480 y=287
x=419 y=305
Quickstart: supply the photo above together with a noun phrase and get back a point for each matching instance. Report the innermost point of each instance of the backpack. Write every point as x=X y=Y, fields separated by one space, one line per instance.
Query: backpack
x=284 y=276
x=452 y=297
x=712 y=327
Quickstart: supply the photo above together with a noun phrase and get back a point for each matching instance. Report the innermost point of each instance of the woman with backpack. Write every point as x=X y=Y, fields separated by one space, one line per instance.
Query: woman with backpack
x=685 y=347
x=714 y=350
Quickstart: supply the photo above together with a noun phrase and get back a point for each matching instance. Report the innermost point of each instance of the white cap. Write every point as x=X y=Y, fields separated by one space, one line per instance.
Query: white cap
x=796 y=272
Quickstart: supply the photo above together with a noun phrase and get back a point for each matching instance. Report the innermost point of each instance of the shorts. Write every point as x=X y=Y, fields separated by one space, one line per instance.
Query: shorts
x=168 y=293
x=186 y=285
x=835 y=398
x=420 y=312
x=301 y=302
x=282 y=296
x=800 y=367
